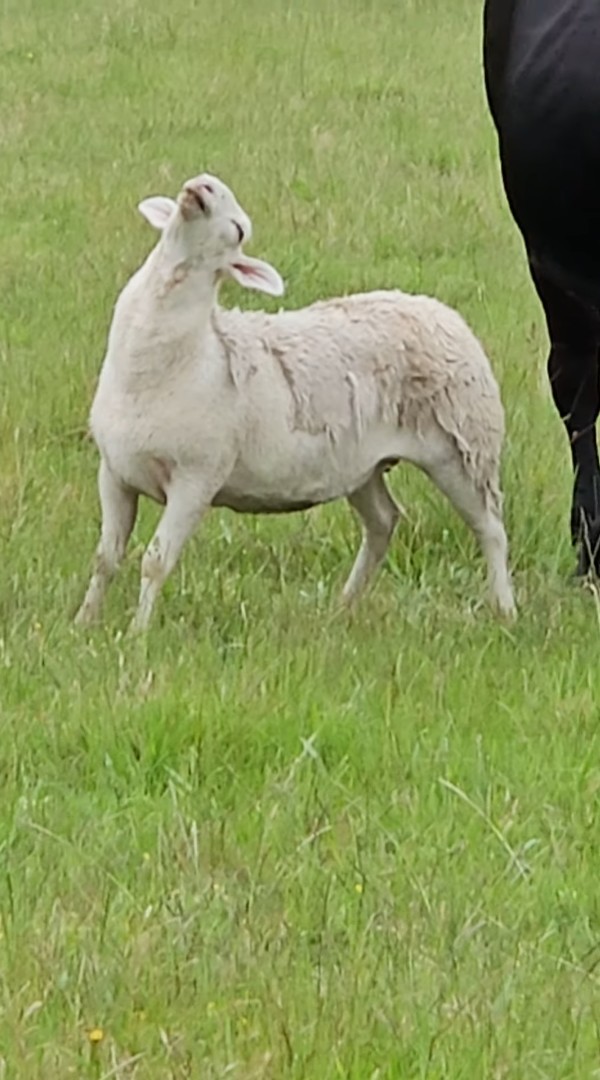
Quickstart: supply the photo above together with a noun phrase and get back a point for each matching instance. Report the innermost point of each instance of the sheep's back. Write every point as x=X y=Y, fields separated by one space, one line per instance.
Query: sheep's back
x=380 y=356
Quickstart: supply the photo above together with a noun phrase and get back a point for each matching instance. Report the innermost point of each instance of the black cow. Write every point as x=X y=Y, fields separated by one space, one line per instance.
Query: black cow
x=542 y=75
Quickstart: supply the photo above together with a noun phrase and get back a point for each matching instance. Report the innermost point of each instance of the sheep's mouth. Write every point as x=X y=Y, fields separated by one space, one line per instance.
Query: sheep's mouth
x=196 y=196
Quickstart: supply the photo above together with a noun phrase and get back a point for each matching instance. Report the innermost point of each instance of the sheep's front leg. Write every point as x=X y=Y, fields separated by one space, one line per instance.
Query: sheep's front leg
x=119 y=509
x=184 y=510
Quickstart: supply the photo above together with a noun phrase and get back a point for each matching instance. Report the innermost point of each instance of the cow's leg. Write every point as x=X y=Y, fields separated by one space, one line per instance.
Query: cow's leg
x=573 y=369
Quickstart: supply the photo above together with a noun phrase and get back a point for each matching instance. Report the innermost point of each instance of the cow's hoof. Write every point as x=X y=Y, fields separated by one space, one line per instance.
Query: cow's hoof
x=588 y=562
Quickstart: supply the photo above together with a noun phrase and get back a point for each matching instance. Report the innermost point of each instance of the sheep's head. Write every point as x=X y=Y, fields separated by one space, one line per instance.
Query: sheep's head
x=208 y=226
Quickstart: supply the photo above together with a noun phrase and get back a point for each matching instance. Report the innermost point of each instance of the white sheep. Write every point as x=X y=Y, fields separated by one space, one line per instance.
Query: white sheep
x=198 y=406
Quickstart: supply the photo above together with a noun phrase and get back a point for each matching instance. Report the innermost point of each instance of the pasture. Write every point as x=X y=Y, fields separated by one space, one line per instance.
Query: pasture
x=274 y=840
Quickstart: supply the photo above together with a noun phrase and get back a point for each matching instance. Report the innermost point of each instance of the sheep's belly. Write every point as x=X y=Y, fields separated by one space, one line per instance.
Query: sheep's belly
x=255 y=495
x=261 y=504
x=316 y=473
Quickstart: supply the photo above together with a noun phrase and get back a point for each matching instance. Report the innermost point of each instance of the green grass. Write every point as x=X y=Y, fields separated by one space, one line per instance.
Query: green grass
x=273 y=841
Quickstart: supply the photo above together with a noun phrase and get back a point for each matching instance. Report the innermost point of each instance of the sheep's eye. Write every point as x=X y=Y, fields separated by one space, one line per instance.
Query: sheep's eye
x=240 y=231
x=209 y=189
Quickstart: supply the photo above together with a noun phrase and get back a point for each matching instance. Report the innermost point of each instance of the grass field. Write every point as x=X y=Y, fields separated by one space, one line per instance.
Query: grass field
x=271 y=840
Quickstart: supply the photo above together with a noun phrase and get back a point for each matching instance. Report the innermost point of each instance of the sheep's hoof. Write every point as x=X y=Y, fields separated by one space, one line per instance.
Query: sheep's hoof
x=84 y=618
x=509 y=615
x=137 y=627
x=347 y=600
x=506 y=610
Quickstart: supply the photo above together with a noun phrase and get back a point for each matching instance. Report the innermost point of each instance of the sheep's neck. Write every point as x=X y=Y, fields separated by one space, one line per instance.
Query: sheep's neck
x=167 y=321
x=174 y=276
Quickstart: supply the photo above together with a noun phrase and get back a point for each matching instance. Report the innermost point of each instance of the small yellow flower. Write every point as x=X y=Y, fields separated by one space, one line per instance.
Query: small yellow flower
x=211 y=1007
x=358 y=887
x=146 y=856
x=96 y=1035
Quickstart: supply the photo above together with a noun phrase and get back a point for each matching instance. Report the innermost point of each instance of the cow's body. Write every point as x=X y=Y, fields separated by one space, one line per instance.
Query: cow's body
x=542 y=70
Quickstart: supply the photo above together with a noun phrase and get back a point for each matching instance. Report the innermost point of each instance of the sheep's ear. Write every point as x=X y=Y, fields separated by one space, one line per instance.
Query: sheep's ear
x=157 y=210
x=256 y=274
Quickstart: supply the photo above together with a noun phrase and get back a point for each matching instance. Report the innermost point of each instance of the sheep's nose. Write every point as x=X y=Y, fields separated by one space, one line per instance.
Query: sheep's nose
x=198 y=193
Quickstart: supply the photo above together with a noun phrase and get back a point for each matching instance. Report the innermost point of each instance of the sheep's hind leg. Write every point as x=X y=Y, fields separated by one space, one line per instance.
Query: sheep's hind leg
x=379 y=514
x=486 y=523
x=119 y=509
